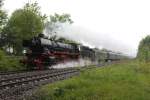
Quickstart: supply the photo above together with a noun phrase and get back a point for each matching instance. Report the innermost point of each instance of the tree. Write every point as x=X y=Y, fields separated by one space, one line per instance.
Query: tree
x=3 y=16
x=3 y=20
x=144 y=49
x=61 y=18
x=55 y=24
x=23 y=24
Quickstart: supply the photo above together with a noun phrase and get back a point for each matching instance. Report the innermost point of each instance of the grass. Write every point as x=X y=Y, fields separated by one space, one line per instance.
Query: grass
x=123 y=81
x=9 y=63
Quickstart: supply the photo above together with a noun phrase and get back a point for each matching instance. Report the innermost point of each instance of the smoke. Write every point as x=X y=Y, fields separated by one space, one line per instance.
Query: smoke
x=93 y=39
x=77 y=63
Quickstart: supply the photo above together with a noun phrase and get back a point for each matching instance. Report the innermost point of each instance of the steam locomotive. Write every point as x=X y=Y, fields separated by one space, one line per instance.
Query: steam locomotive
x=42 y=53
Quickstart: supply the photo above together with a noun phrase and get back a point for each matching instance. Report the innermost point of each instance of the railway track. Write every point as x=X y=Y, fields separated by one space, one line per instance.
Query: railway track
x=15 y=86
x=18 y=85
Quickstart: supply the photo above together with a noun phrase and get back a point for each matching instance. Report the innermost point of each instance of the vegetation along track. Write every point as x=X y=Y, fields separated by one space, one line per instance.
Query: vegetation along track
x=15 y=86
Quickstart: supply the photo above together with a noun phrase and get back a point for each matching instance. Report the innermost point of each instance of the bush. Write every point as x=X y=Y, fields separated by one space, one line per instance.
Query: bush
x=9 y=63
x=2 y=54
x=144 y=49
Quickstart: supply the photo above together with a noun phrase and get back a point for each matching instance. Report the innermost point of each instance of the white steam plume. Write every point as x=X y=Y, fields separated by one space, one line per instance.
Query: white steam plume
x=92 y=39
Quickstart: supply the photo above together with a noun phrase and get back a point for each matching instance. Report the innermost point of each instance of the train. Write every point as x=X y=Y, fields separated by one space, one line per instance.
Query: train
x=41 y=53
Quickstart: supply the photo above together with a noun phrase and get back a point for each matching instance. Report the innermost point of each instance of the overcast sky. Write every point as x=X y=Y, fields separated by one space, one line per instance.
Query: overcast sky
x=118 y=25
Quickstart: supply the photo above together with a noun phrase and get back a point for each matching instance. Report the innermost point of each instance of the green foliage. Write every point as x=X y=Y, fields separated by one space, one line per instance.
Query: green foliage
x=3 y=17
x=61 y=18
x=1 y=55
x=124 y=81
x=23 y=24
x=9 y=63
x=144 y=49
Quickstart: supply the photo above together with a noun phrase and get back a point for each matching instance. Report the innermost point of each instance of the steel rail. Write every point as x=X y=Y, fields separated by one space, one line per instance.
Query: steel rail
x=13 y=88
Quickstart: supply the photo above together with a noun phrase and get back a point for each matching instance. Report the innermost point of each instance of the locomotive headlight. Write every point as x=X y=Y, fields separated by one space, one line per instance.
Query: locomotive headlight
x=24 y=51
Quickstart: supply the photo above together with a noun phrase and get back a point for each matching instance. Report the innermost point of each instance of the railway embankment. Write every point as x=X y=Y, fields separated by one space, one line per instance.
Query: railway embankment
x=18 y=86
x=122 y=81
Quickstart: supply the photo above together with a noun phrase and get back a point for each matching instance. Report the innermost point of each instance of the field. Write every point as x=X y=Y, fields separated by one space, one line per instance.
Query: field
x=124 y=81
